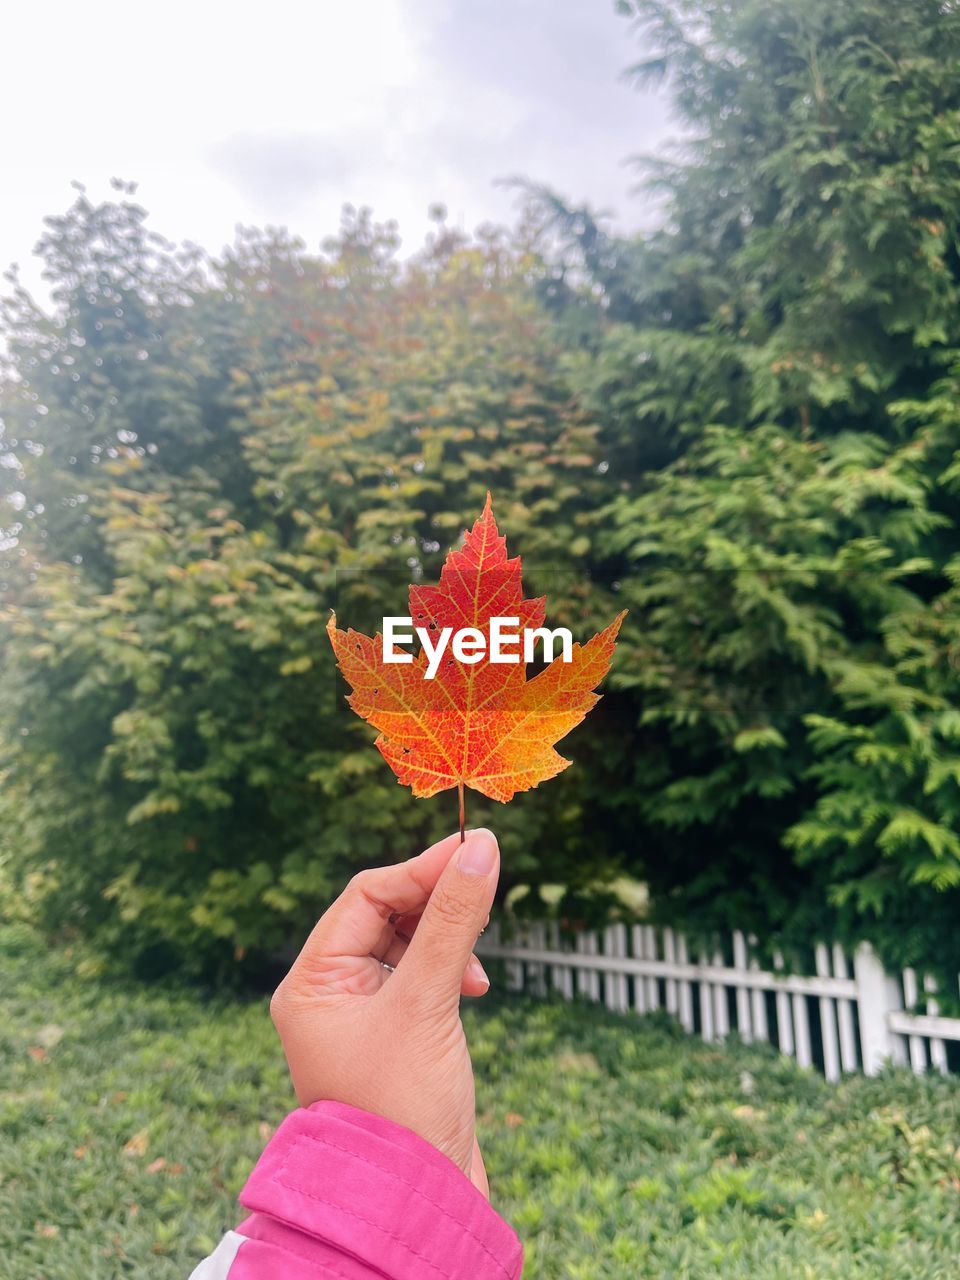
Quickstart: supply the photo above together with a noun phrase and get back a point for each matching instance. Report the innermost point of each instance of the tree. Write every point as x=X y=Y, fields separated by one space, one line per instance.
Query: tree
x=209 y=453
x=767 y=369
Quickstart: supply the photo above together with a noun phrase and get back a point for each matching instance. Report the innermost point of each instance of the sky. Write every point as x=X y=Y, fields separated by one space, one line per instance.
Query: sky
x=277 y=114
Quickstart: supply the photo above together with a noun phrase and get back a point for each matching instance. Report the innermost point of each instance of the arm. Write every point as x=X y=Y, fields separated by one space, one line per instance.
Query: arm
x=340 y=1193
x=379 y=1173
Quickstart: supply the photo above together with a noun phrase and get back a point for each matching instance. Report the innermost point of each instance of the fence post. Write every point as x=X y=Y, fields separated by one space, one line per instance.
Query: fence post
x=877 y=996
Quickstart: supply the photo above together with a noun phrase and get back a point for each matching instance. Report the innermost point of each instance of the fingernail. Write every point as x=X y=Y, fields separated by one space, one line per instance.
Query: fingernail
x=476 y=971
x=478 y=853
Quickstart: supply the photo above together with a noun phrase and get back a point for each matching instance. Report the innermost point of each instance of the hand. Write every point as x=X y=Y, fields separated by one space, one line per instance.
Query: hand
x=392 y=1043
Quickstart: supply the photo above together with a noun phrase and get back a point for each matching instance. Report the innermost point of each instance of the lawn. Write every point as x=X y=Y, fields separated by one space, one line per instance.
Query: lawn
x=130 y=1117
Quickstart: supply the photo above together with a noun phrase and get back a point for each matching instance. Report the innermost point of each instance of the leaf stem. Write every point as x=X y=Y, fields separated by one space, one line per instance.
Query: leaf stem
x=462 y=811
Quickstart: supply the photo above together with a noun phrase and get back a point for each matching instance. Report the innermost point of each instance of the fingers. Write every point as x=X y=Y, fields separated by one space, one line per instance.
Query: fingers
x=475 y=980
x=358 y=923
x=437 y=956
x=478 y=1172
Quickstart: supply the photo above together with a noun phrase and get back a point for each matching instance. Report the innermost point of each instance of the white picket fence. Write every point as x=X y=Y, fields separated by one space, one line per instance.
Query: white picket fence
x=850 y=1014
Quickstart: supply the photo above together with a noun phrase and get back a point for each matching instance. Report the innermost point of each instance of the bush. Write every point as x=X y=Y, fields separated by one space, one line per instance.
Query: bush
x=617 y=1149
x=207 y=462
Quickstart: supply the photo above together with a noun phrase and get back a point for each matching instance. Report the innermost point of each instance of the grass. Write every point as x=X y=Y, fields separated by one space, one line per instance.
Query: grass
x=130 y=1117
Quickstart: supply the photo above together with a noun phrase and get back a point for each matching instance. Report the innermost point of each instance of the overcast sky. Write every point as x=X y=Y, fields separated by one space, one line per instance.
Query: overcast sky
x=279 y=113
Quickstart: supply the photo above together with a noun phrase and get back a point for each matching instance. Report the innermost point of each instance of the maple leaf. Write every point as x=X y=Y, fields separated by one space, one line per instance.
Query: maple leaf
x=482 y=725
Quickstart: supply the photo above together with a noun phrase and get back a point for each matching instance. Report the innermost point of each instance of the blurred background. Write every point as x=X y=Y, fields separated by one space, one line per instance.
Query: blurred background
x=736 y=421
x=676 y=280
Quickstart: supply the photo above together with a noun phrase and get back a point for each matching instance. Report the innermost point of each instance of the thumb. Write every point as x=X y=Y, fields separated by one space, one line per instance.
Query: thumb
x=453 y=917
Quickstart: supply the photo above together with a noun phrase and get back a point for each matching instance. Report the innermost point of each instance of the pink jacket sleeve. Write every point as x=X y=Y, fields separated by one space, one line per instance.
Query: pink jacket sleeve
x=340 y=1194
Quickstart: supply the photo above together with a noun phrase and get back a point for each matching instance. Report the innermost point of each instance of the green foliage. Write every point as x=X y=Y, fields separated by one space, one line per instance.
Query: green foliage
x=618 y=1149
x=773 y=373
x=778 y=579
x=204 y=462
x=742 y=424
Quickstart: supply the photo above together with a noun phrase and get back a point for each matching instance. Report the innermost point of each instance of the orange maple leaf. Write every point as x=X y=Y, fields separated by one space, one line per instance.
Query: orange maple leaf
x=483 y=725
